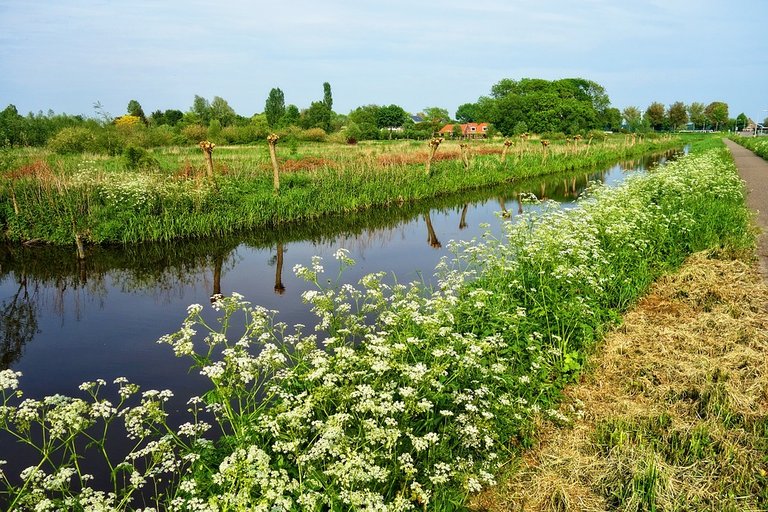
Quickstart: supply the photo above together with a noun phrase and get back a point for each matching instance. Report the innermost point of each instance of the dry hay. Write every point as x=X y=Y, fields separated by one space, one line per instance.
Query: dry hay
x=681 y=391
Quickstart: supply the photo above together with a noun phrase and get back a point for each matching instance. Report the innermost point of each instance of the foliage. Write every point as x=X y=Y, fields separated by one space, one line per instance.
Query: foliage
x=417 y=396
x=677 y=115
x=717 y=114
x=134 y=109
x=571 y=105
x=316 y=116
x=634 y=118
x=391 y=116
x=696 y=113
x=291 y=117
x=656 y=116
x=467 y=113
x=220 y=111
x=274 y=107
x=73 y=140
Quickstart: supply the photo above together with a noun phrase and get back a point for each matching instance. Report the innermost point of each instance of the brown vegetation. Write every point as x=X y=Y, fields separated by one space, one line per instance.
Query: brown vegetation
x=674 y=415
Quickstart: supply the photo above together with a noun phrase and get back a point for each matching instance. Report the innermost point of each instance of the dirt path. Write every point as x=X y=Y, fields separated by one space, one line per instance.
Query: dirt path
x=754 y=170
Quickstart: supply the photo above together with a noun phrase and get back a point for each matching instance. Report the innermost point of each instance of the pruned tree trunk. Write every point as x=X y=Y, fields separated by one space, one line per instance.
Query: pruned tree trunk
x=433 y=145
x=272 y=141
x=431 y=236
x=507 y=143
x=207 y=148
x=465 y=155
x=463 y=220
x=80 y=247
x=279 y=287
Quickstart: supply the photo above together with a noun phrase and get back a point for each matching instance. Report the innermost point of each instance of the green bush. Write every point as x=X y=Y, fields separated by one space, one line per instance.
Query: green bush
x=73 y=140
x=313 y=135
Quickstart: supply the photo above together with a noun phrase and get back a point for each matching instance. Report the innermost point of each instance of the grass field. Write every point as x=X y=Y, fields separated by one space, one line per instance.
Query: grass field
x=164 y=194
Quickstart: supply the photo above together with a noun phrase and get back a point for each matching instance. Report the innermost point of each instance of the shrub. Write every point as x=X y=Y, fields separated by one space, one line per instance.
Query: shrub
x=194 y=133
x=313 y=135
x=73 y=140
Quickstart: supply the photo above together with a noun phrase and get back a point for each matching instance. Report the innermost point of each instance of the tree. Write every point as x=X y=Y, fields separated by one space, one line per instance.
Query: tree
x=392 y=116
x=134 y=109
x=741 y=121
x=678 y=116
x=291 y=117
x=697 y=116
x=612 y=119
x=717 y=113
x=327 y=96
x=316 y=116
x=467 y=113
x=436 y=115
x=222 y=112
x=201 y=109
x=656 y=115
x=274 y=108
x=633 y=117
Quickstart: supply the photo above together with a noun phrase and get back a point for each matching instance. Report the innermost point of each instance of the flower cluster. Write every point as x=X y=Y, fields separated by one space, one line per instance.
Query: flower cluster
x=404 y=397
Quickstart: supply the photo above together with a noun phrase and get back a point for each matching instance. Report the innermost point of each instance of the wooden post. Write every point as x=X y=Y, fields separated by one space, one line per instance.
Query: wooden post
x=80 y=247
x=433 y=145
x=207 y=148
x=272 y=141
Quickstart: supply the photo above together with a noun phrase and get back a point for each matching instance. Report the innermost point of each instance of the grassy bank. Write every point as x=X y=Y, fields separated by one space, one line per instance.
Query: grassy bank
x=758 y=145
x=673 y=414
x=417 y=397
x=164 y=195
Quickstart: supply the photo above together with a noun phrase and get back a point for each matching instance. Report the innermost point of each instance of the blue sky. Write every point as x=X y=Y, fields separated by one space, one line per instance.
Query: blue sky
x=67 y=54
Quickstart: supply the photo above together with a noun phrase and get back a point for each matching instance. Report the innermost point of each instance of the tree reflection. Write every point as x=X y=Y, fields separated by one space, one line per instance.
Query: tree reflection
x=463 y=220
x=279 y=287
x=18 y=324
x=431 y=236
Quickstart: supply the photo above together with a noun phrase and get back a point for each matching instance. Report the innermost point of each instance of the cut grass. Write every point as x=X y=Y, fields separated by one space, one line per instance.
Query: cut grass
x=673 y=415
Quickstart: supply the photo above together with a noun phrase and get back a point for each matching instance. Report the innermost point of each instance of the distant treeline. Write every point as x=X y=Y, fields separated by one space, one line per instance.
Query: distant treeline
x=567 y=106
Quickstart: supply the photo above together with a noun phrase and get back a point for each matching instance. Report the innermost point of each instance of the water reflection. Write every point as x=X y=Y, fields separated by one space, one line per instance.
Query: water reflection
x=135 y=294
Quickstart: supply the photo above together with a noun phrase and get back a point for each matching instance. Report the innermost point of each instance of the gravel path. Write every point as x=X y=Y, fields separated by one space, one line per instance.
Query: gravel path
x=754 y=171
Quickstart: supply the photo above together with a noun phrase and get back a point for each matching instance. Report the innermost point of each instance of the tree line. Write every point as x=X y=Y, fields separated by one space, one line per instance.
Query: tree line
x=567 y=106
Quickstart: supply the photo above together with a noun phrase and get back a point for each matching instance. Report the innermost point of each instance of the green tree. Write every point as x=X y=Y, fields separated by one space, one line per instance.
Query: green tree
x=291 y=117
x=741 y=121
x=677 y=115
x=612 y=119
x=316 y=116
x=467 y=113
x=201 y=109
x=717 y=114
x=11 y=127
x=391 y=117
x=633 y=117
x=656 y=115
x=222 y=112
x=696 y=113
x=274 y=108
x=134 y=109
x=327 y=96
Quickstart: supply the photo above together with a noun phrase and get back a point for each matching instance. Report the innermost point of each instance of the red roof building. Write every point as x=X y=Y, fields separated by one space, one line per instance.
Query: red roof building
x=468 y=130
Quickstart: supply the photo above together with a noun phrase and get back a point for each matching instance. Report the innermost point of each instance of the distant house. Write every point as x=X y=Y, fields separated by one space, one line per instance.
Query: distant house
x=468 y=130
x=417 y=119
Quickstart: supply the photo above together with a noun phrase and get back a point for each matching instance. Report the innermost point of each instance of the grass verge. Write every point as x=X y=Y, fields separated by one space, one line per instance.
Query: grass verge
x=674 y=413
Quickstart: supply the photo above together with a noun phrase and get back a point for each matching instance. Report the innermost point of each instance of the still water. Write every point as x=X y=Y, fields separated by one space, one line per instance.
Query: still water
x=63 y=322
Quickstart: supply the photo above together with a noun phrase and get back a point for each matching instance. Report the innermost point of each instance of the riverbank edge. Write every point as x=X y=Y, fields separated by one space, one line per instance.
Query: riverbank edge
x=231 y=212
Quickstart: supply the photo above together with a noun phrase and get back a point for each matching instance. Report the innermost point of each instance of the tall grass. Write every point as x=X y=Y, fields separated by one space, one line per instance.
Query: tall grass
x=417 y=396
x=101 y=201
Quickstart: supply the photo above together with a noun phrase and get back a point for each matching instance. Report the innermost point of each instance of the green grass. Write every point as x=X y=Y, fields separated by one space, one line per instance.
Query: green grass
x=418 y=396
x=101 y=200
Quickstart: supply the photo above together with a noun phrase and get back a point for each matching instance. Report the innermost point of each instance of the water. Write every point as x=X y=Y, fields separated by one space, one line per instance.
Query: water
x=63 y=322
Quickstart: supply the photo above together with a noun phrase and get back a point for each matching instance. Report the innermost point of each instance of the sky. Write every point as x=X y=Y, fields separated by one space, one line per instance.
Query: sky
x=66 y=55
